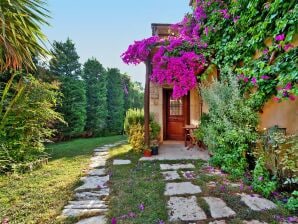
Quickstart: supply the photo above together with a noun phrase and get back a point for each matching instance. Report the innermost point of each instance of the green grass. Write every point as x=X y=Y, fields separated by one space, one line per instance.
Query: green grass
x=39 y=196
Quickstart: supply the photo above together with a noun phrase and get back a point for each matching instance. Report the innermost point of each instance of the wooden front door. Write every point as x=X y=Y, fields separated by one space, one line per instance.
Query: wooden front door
x=176 y=116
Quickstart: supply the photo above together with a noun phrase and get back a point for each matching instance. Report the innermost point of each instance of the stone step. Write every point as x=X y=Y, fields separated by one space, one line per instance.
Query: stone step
x=218 y=208
x=93 y=183
x=69 y=212
x=86 y=204
x=189 y=175
x=93 y=195
x=121 y=162
x=97 y=172
x=93 y=220
x=181 y=188
x=97 y=163
x=176 y=166
x=171 y=175
x=184 y=209
x=256 y=202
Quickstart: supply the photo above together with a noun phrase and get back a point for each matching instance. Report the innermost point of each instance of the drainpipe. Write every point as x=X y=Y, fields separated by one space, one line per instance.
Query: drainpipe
x=147 y=103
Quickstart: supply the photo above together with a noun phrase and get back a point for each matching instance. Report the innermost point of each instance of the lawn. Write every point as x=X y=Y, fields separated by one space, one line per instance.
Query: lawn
x=39 y=196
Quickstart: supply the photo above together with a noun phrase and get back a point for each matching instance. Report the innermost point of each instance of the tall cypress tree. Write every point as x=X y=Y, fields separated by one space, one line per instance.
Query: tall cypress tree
x=96 y=89
x=115 y=101
x=65 y=65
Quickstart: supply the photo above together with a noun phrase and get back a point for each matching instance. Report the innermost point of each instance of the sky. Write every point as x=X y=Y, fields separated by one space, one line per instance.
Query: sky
x=105 y=28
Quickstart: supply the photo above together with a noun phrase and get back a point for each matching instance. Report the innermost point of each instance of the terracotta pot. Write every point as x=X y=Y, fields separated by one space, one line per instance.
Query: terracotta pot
x=147 y=153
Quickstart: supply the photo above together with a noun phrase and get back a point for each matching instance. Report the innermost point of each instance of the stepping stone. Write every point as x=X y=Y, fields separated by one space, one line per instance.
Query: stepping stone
x=256 y=202
x=103 y=154
x=176 y=166
x=97 y=163
x=211 y=184
x=94 y=220
x=88 y=204
x=218 y=222
x=181 y=188
x=185 y=209
x=121 y=162
x=254 y=222
x=97 y=172
x=218 y=208
x=189 y=175
x=68 y=212
x=171 y=175
x=93 y=183
x=94 y=195
x=101 y=149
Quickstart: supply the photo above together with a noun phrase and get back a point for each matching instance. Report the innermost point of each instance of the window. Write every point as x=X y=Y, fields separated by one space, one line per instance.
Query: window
x=176 y=107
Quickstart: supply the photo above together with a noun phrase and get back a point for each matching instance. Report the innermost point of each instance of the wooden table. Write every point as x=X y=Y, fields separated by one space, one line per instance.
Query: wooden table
x=187 y=130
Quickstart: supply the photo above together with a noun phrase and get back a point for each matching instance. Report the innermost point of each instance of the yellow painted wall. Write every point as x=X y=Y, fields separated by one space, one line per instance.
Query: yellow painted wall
x=284 y=114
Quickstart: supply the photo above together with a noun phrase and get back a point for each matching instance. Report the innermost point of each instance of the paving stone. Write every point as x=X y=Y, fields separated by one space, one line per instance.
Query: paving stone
x=254 y=222
x=218 y=208
x=181 y=188
x=93 y=183
x=184 y=209
x=189 y=175
x=87 y=204
x=256 y=202
x=101 y=149
x=94 y=220
x=176 y=166
x=97 y=172
x=68 y=212
x=121 y=162
x=103 y=154
x=93 y=195
x=171 y=175
x=211 y=184
x=218 y=222
x=97 y=163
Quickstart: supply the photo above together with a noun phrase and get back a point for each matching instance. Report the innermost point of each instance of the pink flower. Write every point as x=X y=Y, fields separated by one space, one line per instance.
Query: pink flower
x=225 y=13
x=265 y=77
x=113 y=221
x=280 y=37
x=142 y=207
x=288 y=86
x=265 y=51
x=245 y=79
x=260 y=178
x=235 y=19
x=206 y=30
x=276 y=99
x=254 y=80
x=292 y=97
x=288 y=46
x=199 y=13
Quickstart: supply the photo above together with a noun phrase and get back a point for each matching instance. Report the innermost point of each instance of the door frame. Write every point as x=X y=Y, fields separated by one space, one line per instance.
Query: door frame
x=164 y=110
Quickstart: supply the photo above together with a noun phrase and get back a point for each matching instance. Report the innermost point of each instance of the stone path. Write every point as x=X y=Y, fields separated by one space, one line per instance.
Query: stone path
x=183 y=195
x=91 y=198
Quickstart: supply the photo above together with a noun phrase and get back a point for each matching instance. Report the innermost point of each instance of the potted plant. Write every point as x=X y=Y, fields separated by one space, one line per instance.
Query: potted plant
x=154 y=136
x=147 y=152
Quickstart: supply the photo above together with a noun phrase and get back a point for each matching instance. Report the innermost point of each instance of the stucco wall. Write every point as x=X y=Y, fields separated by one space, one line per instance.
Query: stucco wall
x=284 y=114
x=195 y=107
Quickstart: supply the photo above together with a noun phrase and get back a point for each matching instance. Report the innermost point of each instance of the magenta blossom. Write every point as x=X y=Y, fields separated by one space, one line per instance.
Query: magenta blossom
x=288 y=86
x=142 y=207
x=254 y=80
x=225 y=13
x=235 y=19
x=280 y=37
x=199 y=13
x=292 y=97
x=288 y=46
x=265 y=51
x=265 y=77
x=260 y=178
x=276 y=99
x=113 y=221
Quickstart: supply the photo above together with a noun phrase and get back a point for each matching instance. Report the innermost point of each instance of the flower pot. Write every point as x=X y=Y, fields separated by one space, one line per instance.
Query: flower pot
x=147 y=153
x=154 y=150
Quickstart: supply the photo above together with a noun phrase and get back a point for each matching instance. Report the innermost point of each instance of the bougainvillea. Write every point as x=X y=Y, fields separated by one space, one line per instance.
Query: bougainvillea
x=228 y=35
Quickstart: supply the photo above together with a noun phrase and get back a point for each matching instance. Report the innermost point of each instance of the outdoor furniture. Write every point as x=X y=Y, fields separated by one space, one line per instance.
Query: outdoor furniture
x=189 y=136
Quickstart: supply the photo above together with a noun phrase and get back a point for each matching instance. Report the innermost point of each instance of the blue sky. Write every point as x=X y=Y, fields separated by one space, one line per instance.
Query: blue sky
x=105 y=28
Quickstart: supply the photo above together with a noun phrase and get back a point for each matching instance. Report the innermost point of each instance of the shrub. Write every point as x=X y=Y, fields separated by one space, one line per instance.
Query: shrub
x=154 y=130
x=26 y=116
x=136 y=137
x=230 y=128
x=133 y=116
x=292 y=203
x=262 y=182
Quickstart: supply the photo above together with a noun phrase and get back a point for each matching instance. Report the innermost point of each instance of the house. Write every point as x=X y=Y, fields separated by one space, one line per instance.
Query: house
x=174 y=115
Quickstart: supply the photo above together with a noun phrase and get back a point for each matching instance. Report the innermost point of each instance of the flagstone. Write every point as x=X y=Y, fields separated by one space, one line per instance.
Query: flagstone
x=101 y=149
x=254 y=222
x=97 y=163
x=69 y=212
x=218 y=207
x=93 y=195
x=87 y=204
x=190 y=175
x=218 y=222
x=256 y=202
x=181 y=188
x=93 y=183
x=176 y=166
x=97 y=172
x=121 y=162
x=94 y=220
x=184 y=209
x=171 y=175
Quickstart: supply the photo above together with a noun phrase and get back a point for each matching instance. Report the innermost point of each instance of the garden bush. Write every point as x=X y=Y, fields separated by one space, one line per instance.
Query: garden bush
x=26 y=117
x=231 y=126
